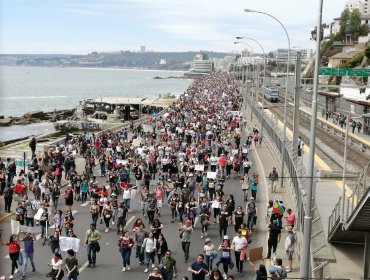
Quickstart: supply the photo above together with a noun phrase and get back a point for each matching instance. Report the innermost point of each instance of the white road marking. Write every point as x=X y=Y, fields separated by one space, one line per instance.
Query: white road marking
x=129 y=221
x=85 y=204
x=196 y=220
x=83 y=267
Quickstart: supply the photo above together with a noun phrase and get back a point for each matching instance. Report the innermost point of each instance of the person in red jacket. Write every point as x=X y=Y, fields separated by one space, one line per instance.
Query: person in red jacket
x=14 y=250
x=19 y=189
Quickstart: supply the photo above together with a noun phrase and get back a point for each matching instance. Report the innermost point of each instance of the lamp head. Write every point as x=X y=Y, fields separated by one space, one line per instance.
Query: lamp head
x=238 y=37
x=249 y=10
x=236 y=42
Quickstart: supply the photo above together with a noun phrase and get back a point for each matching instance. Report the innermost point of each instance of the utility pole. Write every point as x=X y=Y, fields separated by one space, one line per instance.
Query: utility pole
x=297 y=97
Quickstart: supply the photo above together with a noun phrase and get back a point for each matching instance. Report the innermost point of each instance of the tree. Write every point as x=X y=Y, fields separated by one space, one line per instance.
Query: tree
x=354 y=22
x=343 y=22
x=314 y=32
x=364 y=30
x=367 y=52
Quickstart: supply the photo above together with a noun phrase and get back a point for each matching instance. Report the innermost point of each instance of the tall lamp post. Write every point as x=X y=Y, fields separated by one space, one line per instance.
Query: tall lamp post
x=286 y=92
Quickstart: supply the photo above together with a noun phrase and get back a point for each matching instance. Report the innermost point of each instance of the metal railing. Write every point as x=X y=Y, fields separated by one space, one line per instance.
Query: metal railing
x=350 y=203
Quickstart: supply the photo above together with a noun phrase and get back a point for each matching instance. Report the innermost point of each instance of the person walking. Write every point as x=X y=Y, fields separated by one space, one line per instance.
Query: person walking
x=185 y=235
x=32 y=145
x=290 y=243
x=239 y=245
x=91 y=238
x=71 y=265
x=251 y=210
x=169 y=266
x=94 y=210
x=290 y=219
x=209 y=253
x=140 y=235
x=107 y=214
x=225 y=248
x=148 y=248
x=273 y=177
x=198 y=269
x=125 y=245
x=8 y=197
x=56 y=265
x=155 y=275
x=14 y=250
x=274 y=238
x=28 y=242
x=223 y=220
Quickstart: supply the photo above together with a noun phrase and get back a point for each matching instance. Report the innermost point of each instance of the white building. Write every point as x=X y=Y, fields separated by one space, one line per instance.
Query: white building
x=281 y=55
x=362 y=5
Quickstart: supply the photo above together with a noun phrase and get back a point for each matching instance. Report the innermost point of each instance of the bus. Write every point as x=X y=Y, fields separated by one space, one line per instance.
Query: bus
x=271 y=94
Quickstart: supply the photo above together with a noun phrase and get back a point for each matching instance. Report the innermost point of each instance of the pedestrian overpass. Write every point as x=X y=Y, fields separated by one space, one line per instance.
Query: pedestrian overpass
x=353 y=226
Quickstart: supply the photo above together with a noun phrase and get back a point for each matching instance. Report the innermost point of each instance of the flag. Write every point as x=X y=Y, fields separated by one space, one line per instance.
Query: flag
x=277 y=207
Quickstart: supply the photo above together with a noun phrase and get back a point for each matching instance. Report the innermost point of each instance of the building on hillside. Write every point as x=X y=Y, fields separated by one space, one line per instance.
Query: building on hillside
x=339 y=58
x=361 y=5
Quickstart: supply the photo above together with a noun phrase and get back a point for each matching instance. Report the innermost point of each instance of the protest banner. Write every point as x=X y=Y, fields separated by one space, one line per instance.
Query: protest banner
x=211 y=175
x=66 y=243
x=121 y=161
x=199 y=167
x=14 y=226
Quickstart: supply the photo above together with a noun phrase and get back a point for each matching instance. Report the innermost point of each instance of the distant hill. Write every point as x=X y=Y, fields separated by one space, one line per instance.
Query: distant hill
x=122 y=59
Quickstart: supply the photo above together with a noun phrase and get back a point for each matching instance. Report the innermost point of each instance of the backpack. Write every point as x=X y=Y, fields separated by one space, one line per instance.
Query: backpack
x=282 y=273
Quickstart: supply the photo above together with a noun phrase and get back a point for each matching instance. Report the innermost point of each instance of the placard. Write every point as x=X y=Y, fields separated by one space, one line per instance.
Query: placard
x=66 y=243
x=256 y=254
x=136 y=142
x=126 y=144
x=211 y=175
x=199 y=167
x=245 y=151
x=121 y=161
x=14 y=226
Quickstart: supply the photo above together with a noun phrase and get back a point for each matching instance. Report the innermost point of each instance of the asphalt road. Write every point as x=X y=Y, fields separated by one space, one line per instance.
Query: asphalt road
x=109 y=261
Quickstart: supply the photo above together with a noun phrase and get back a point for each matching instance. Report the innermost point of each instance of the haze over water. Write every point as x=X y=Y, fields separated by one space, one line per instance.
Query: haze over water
x=25 y=89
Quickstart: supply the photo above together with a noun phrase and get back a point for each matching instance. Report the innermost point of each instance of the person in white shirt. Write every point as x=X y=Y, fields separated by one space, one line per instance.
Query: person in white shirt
x=149 y=247
x=239 y=244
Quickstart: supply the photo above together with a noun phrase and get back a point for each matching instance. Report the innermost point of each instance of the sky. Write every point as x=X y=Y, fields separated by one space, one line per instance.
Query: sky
x=84 y=26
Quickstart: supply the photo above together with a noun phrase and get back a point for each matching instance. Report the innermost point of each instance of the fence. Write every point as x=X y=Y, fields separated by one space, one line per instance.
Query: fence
x=298 y=179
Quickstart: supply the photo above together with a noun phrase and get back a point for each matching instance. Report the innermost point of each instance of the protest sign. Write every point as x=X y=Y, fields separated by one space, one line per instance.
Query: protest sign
x=256 y=254
x=66 y=243
x=14 y=226
x=199 y=167
x=211 y=175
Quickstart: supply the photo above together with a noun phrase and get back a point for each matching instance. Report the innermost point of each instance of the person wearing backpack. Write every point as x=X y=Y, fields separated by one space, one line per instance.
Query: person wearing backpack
x=290 y=242
x=280 y=270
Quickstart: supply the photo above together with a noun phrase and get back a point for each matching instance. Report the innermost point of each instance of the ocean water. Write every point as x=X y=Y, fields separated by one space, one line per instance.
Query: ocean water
x=26 y=89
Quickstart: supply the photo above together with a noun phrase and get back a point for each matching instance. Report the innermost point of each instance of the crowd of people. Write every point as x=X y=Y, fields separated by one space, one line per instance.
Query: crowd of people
x=183 y=159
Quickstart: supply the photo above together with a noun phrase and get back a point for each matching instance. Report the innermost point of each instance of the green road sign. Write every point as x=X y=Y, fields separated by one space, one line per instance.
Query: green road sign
x=352 y=72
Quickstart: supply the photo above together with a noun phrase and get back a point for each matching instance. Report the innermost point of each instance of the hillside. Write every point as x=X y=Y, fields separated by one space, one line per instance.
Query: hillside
x=122 y=59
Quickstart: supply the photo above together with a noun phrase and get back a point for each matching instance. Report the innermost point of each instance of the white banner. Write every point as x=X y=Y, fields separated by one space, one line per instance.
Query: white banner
x=199 y=167
x=211 y=175
x=121 y=161
x=67 y=243
x=15 y=226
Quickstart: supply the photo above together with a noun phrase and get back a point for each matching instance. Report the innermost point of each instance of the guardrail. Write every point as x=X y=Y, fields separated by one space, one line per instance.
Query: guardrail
x=298 y=180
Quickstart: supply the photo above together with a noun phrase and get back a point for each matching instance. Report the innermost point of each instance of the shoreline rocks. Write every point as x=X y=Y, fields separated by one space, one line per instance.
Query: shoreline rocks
x=37 y=117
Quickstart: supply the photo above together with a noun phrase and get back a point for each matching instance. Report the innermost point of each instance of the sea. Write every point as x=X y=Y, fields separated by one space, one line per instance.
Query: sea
x=24 y=89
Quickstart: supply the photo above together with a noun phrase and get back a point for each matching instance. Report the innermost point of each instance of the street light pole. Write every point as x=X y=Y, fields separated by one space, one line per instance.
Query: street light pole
x=282 y=172
x=264 y=74
x=307 y=229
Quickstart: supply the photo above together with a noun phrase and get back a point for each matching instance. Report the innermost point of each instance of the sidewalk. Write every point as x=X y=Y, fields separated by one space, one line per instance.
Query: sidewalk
x=265 y=159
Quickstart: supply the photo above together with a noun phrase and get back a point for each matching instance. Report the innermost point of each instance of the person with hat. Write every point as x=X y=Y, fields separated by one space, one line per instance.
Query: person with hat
x=209 y=253
x=185 y=235
x=290 y=243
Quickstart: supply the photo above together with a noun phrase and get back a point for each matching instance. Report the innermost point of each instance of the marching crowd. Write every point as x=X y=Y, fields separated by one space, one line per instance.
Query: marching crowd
x=184 y=160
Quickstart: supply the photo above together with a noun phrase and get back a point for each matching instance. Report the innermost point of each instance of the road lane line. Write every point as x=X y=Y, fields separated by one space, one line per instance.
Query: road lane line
x=196 y=220
x=83 y=267
x=85 y=204
x=129 y=221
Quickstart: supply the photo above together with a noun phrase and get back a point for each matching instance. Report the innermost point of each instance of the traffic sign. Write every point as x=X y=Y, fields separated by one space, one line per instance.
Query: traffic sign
x=352 y=72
